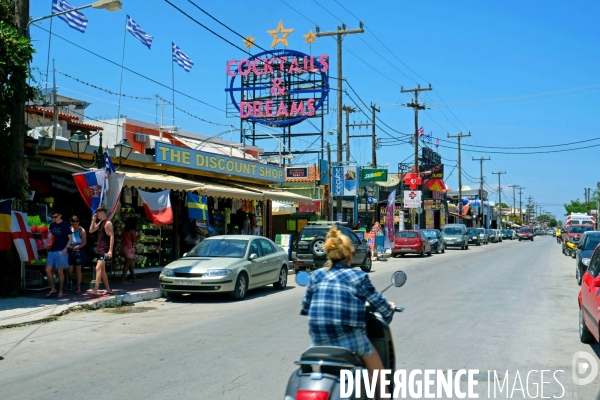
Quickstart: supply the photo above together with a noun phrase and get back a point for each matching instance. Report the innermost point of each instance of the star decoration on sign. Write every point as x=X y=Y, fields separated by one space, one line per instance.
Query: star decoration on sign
x=249 y=42
x=280 y=39
x=310 y=37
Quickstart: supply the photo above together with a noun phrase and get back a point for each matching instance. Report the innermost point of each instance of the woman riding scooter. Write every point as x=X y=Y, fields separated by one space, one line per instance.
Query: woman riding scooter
x=335 y=302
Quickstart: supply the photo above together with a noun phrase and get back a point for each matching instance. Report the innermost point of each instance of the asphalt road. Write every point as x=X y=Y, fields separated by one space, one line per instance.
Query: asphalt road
x=510 y=307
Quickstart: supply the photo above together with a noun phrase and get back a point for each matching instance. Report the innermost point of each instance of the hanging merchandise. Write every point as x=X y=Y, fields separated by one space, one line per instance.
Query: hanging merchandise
x=127 y=195
x=227 y=216
x=22 y=237
x=157 y=206
x=216 y=206
x=246 y=229
x=258 y=210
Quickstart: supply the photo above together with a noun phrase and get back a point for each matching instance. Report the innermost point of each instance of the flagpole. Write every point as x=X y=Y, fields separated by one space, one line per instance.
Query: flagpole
x=173 y=80
x=47 y=71
x=121 y=82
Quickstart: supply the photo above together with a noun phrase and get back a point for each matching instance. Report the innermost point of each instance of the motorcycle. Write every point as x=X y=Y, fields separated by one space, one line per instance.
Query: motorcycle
x=571 y=247
x=318 y=375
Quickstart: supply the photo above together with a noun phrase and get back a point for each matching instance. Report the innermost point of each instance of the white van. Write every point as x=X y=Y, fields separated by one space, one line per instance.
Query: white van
x=580 y=219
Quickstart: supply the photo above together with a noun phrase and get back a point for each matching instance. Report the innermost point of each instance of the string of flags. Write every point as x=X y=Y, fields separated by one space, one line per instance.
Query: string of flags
x=102 y=89
x=428 y=138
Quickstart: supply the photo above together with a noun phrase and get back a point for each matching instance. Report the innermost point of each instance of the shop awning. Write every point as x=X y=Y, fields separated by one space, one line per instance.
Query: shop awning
x=147 y=178
x=460 y=216
x=228 y=192
x=267 y=193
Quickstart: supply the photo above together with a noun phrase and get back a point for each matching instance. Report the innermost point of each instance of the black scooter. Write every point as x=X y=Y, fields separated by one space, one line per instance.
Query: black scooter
x=318 y=375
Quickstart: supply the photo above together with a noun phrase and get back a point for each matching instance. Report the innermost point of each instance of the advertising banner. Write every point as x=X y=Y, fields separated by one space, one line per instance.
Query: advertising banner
x=373 y=175
x=296 y=172
x=370 y=236
x=429 y=204
x=412 y=198
x=345 y=181
x=429 y=222
x=437 y=172
x=389 y=222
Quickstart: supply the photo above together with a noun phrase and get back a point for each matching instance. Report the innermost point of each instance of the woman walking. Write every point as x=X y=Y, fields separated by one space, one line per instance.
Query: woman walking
x=76 y=253
x=128 y=239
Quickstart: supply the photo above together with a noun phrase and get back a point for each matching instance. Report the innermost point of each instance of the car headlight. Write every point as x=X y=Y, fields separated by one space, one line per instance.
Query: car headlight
x=168 y=272
x=433 y=241
x=585 y=261
x=216 y=272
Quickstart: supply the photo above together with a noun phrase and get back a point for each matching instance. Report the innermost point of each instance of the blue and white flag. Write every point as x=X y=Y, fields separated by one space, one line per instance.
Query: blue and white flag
x=75 y=19
x=136 y=31
x=181 y=58
x=110 y=168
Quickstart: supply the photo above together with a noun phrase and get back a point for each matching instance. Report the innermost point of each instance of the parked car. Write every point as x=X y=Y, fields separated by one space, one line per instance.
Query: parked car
x=507 y=234
x=407 y=242
x=483 y=235
x=492 y=235
x=525 y=234
x=435 y=240
x=589 y=298
x=587 y=244
x=473 y=236
x=308 y=251
x=231 y=263
x=455 y=235
x=574 y=233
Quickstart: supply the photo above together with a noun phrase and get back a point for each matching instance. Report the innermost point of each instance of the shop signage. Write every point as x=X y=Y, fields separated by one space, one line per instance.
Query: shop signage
x=370 y=236
x=437 y=172
x=315 y=206
x=429 y=204
x=412 y=198
x=273 y=86
x=176 y=156
x=437 y=194
x=296 y=172
x=429 y=221
x=344 y=181
x=373 y=175
x=430 y=157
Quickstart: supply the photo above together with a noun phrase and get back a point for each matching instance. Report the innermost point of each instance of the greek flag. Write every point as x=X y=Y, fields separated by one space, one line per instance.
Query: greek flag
x=75 y=19
x=136 y=31
x=181 y=58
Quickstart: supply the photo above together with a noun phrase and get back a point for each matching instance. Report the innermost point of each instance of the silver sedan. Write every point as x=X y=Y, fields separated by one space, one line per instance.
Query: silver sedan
x=231 y=263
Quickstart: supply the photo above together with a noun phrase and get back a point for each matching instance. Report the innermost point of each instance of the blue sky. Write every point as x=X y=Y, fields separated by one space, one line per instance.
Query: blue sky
x=514 y=74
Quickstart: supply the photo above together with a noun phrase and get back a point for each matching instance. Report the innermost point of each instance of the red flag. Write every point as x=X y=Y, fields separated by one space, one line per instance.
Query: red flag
x=22 y=237
x=5 y=237
x=157 y=206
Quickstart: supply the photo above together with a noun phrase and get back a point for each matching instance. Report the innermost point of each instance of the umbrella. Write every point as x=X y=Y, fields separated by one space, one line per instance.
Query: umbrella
x=282 y=208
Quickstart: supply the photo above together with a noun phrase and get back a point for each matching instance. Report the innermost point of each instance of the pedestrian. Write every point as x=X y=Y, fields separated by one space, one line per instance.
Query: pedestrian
x=57 y=254
x=77 y=256
x=128 y=239
x=104 y=248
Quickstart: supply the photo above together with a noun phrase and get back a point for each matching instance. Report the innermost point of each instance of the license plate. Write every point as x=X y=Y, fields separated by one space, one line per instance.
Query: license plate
x=186 y=282
x=474 y=237
x=406 y=248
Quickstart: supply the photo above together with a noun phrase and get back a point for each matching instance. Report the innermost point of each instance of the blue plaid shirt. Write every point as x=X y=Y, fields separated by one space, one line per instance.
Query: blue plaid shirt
x=335 y=303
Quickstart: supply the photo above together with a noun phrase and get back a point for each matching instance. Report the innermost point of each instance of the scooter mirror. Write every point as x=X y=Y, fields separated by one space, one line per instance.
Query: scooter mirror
x=399 y=278
x=302 y=278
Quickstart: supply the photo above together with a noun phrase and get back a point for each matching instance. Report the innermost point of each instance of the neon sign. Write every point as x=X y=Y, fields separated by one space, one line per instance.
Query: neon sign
x=278 y=87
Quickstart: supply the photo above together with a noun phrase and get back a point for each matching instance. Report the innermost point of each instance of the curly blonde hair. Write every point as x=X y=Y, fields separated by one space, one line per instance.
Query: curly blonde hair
x=337 y=247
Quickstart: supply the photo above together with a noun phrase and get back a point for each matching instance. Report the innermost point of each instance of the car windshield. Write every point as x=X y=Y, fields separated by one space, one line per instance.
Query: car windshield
x=525 y=230
x=472 y=231
x=580 y=229
x=591 y=243
x=481 y=230
x=310 y=234
x=587 y=223
x=232 y=248
x=453 y=231
x=430 y=234
x=506 y=231
x=404 y=234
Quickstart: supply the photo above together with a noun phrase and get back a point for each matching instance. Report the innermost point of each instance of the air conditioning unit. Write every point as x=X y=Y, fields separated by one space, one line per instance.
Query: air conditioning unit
x=140 y=137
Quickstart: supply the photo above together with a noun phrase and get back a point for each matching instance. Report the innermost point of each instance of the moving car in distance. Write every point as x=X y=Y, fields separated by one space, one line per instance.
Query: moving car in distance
x=228 y=263
x=525 y=234
x=456 y=235
x=507 y=234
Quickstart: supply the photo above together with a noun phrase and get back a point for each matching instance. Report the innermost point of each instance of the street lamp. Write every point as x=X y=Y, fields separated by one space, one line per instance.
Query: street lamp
x=366 y=192
x=109 y=5
x=79 y=143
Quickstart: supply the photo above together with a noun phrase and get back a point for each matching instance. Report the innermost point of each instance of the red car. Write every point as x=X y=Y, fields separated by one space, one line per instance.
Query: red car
x=525 y=234
x=589 y=300
x=414 y=242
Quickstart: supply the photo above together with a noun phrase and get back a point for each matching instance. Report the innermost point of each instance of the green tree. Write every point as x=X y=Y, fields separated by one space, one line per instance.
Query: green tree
x=552 y=223
x=576 y=206
x=16 y=53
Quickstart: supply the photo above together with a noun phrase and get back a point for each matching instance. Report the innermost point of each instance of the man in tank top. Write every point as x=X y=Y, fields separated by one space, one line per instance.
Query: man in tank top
x=104 y=248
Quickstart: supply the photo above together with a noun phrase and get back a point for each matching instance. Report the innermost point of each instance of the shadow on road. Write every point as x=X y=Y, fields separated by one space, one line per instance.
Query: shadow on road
x=219 y=298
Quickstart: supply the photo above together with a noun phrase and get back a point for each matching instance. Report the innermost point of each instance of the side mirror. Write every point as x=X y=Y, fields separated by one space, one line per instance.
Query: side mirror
x=253 y=256
x=365 y=241
x=185 y=254
x=302 y=278
x=597 y=281
x=398 y=279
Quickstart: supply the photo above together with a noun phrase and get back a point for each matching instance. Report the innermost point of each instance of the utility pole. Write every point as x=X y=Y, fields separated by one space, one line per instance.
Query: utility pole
x=528 y=208
x=459 y=137
x=499 y=196
x=372 y=135
x=416 y=106
x=348 y=110
x=329 y=181
x=521 y=203
x=339 y=34
x=514 y=199
x=481 y=160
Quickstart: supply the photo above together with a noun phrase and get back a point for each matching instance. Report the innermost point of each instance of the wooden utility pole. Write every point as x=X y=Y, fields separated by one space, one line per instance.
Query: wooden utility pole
x=459 y=137
x=348 y=110
x=372 y=135
x=521 y=203
x=416 y=106
x=339 y=34
x=481 y=160
x=514 y=198
x=499 y=197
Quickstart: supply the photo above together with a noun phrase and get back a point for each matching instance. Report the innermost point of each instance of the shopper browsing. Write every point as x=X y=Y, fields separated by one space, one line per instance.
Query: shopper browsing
x=128 y=239
x=57 y=255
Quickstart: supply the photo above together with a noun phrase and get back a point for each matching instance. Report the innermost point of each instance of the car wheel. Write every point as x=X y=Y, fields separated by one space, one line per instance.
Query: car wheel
x=578 y=275
x=584 y=333
x=282 y=282
x=519 y=239
x=366 y=267
x=443 y=249
x=437 y=251
x=317 y=247
x=422 y=254
x=429 y=252
x=241 y=286
x=478 y=243
x=174 y=295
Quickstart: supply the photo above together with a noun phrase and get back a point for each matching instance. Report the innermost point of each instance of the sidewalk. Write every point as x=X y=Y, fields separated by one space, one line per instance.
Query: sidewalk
x=35 y=307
